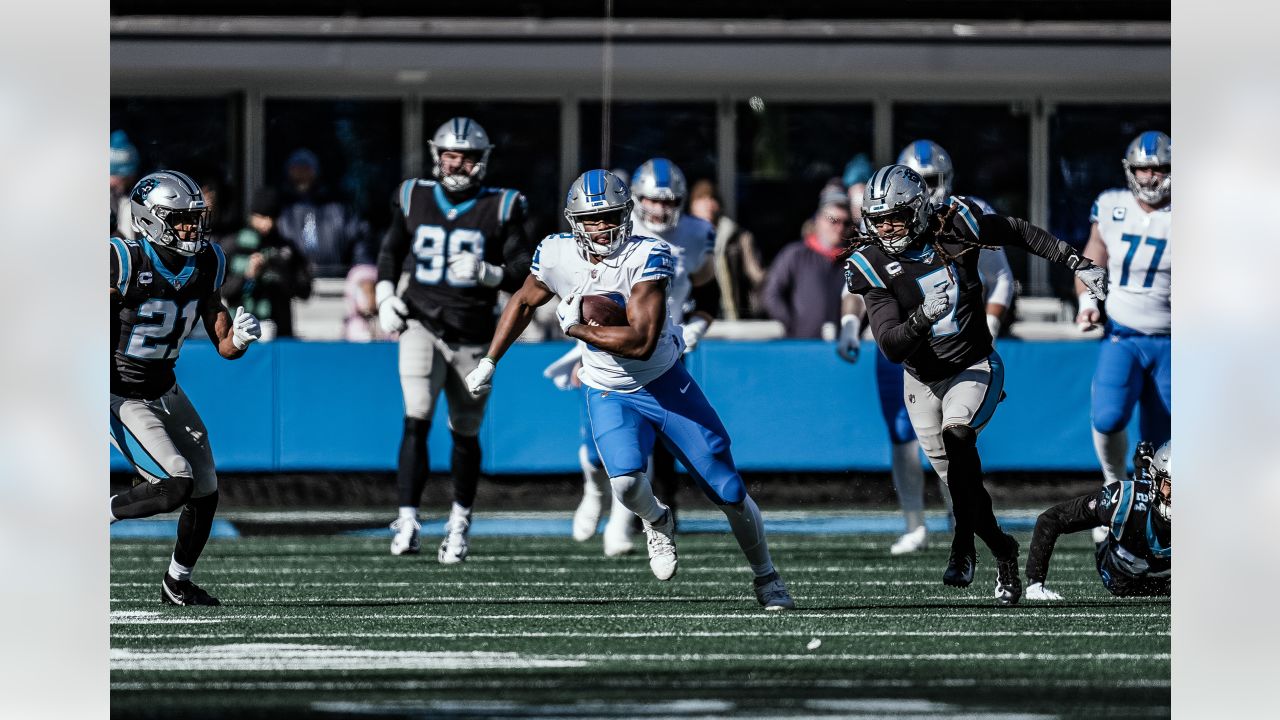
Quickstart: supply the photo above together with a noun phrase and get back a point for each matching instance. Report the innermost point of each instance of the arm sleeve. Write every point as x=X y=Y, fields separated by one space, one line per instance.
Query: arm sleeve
x=517 y=253
x=997 y=276
x=777 y=285
x=1071 y=516
x=395 y=244
x=1016 y=232
x=897 y=338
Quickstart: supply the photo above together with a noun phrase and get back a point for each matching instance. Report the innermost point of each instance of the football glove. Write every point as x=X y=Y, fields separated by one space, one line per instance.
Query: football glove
x=467 y=267
x=993 y=324
x=391 y=309
x=936 y=304
x=1037 y=591
x=480 y=381
x=848 y=345
x=244 y=328
x=560 y=372
x=1094 y=278
x=693 y=331
x=569 y=312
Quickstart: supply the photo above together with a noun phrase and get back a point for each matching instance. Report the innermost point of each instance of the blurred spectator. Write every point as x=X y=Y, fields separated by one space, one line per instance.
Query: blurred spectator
x=265 y=270
x=802 y=286
x=223 y=220
x=739 y=270
x=327 y=232
x=833 y=185
x=856 y=175
x=124 y=173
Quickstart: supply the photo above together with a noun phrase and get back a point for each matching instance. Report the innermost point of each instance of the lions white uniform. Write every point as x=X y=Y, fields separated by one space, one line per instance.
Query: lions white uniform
x=692 y=243
x=1140 y=260
x=561 y=265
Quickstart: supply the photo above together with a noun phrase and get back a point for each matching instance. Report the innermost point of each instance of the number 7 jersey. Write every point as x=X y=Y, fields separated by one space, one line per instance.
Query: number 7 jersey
x=152 y=312
x=1139 y=260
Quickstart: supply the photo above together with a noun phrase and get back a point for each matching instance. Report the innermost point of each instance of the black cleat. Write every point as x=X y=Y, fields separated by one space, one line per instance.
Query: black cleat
x=184 y=592
x=960 y=568
x=1008 y=584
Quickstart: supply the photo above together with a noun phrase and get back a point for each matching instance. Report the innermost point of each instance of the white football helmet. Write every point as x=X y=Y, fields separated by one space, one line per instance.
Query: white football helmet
x=165 y=199
x=1151 y=149
x=461 y=134
x=599 y=194
x=896 y=193
x=659 y=179
x=934 y=165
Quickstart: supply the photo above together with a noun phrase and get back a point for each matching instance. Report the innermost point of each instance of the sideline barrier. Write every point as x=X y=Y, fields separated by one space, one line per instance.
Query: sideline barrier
x=789 y=405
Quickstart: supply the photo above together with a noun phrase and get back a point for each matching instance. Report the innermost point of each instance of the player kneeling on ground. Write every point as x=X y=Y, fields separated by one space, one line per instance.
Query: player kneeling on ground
x=1136 y=556
x=613 y=290
x=160 y=284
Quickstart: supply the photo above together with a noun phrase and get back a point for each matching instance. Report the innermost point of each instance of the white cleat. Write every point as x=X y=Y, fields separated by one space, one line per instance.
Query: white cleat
x=1037 y=591
x=662 y=546
x=913 y=541
x=772 y=593
x=457 y=539
x=1100 y=534
x=618 y=534
x=405 y=540
x=587 y=517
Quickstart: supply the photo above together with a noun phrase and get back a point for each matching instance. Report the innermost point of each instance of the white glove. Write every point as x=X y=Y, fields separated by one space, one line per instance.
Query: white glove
x=848 y=345
x=937 y=303
x=1089 y=315
x=469 y=268
x=560 y=372
x=480 y=381
x=391 y=309
x=245 y=329
x=993 y=324
x=693 y=331
x=1094 y=278
x=569 y=311
x=1037 y=591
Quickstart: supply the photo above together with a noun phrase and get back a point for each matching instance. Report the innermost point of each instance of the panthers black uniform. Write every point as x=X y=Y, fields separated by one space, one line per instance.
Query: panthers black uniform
x=425 y=222
x=895 y=285
x=153 y=312
x=1137 y=555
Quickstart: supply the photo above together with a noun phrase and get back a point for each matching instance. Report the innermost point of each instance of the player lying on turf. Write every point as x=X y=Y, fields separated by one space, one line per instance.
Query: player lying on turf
x=1136 y=556
x=613 y=290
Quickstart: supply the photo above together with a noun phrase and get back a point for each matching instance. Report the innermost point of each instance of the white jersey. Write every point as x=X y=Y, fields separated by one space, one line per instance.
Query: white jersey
x=563 y=267
x=693 y=242
x=1139 y=260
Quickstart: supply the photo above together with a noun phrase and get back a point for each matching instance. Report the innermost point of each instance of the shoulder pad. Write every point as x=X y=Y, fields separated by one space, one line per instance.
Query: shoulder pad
x=967 y=212
x=866 y=272
x=221 y=273
x=404 y=195
x=124 y=258
x=510 y=200
x=1122 y=497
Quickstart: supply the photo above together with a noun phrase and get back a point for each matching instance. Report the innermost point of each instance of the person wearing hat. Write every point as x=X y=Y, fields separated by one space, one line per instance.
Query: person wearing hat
x=265 y=270
x=327 y=231
x=802 y=286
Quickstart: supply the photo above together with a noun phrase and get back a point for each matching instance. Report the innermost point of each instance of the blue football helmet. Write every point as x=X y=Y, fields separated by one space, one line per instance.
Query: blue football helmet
x=599 y=194
x=934 y=165
x=1151 y=149
x=659 y=179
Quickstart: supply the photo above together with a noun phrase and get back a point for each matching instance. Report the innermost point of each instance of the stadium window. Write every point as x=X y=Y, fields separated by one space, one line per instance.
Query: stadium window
x=786 y=152
x=358 y=144
x=683 y=132
x=526 y=157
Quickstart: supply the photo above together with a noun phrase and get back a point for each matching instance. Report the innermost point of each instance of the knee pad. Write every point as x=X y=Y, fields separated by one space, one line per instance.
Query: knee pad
x=417 y=429
x=466 y=444
x=1109 y=417
x=624 y=485
x=177 y=491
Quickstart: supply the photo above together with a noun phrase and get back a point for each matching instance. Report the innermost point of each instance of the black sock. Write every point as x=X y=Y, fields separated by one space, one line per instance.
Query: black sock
x=193 y=529
x=411 y=474
x=964 y=472
x=146 y=498
x=466 y=468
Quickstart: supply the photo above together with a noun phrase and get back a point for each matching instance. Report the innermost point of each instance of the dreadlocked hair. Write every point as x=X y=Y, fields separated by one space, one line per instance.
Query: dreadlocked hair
x=942 y=228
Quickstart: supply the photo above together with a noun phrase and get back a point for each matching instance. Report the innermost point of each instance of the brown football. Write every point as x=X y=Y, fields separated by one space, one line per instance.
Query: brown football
x=603 y=311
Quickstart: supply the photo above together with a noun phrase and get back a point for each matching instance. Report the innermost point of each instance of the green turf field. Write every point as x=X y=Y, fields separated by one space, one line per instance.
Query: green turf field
x=333 y=626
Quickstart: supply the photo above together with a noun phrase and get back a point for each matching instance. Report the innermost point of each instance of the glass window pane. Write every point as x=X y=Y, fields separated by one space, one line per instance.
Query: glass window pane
x=786 y=153
x=526 y=155
x=684 y=133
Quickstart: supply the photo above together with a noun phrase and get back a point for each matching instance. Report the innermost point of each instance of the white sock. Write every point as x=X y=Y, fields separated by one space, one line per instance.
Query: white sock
x=408 y=513
x=459 y=511
x=178 y=571
x=619 y=515
x=748 y=530
x=110 y=514
x=1111 y=449
x=636 y=495
x=908 y=481
x=595 y=479
x=940 y=467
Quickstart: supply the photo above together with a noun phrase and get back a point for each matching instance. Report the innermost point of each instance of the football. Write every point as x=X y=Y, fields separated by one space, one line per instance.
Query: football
x=603 y=311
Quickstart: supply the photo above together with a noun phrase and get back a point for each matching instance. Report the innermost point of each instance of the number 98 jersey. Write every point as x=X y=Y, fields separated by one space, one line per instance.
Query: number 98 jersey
x=153 y=309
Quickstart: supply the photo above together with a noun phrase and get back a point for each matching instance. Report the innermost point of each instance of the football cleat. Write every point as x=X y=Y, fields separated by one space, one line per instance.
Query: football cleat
x=772 y=593
x=1008 y=584
x=1100 y=534
x=960 y=567
x=457 y=539
x=586 y=518
x=184 y=592
x=662 y=546
x=1037 y=591
x=917 y=539
x=404 y=540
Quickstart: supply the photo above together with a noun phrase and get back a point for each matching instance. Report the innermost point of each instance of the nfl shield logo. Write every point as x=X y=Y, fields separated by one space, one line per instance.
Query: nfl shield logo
x=1117 y=213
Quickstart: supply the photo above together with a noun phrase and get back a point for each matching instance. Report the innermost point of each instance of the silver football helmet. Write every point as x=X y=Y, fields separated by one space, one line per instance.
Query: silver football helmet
x=461 y=134
x=599 y=194
x=896 y=195
x=934 y=165
x=1162 y=475
x=659 y=179
x=1151 y=149
x=165 y=200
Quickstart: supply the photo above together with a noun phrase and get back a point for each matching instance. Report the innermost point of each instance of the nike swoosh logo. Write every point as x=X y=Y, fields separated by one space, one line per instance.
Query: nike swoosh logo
x=686 y=387
x=177 y=600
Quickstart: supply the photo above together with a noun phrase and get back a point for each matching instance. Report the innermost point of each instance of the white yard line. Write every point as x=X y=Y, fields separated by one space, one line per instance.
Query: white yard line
x=564 y=583
x=806 y=634
x=229 y=615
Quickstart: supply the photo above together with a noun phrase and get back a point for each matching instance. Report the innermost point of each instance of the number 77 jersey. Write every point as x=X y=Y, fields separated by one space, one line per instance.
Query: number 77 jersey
x=1139 y=260
x=153 y=309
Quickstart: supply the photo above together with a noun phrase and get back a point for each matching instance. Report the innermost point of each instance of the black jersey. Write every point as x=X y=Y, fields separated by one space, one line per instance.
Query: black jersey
x=895 y=285
x=490 y=223
x=152 y=312
x=1138 y=544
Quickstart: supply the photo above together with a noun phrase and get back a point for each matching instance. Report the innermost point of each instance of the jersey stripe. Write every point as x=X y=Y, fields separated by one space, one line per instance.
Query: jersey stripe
x=966 y=215
x=126 y=265
x=1121 y=515
x=659 y=264
x=406 y=194
x=222 y=266
x=865 y=268
x=134 y=451
x=508 y=202
x=995 y=388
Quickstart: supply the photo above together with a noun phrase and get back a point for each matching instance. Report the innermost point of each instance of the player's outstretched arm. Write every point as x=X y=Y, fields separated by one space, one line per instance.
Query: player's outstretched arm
x=1003 y=230
x=1081 y=513
x=1090 y=315
x=232 y=336
x=646 y=314
x=515 y=318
